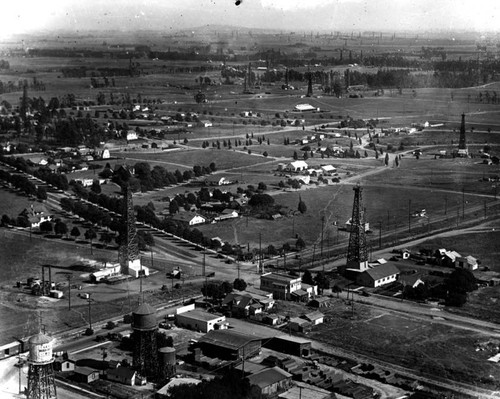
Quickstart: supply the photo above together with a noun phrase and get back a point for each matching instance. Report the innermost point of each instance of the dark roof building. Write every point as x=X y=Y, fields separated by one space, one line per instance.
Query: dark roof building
x=270 y=381
x=229 y=344
x=289 y=344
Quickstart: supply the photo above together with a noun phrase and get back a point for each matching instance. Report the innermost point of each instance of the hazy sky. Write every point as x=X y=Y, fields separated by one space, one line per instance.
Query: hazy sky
x=296 y=15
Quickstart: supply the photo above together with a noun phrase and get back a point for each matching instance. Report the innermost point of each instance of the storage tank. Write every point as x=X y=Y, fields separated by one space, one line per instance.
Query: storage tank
x=144 y=318
x=40 y=347
x=167 y=356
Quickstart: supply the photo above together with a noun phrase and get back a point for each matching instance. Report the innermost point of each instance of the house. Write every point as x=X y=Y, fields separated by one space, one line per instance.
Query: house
x=302 y=179
x=378 y=276
x=299 y=325
x=328 y=169
x=216 y=180
x=319 y=302
x=206 y=123
x=410 y=280
x=314 y=318
x=131 y=135
x=280 y=285
x=36 y=214
x=62 y=363
x=85 y=375
x=467 y=262
x=270 y=381
x=305 y=108
x=296 y=166
x=227 y=214
x=189 y=218
x=123 y=375
x=242 y=305
x=448 y=258
x=200 y=321
x=271 y=319
x=229 y=344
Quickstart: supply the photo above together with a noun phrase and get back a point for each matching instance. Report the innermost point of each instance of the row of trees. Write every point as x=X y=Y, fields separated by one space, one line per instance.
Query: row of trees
x=22 y=183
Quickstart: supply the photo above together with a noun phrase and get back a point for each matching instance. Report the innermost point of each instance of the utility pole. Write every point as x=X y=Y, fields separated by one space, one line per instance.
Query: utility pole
x=322 y=232
x=379 y=234
x=260 y=252
x=69 y=292
x=409 y=216
x=89 y=300
x=314 y=252
x=445 y=204
x=203 y=272
x=463 y=203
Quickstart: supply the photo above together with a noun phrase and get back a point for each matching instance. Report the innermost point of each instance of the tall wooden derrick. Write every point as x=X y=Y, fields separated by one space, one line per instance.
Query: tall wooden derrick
x=357 y=254
x=129 y=249
x=462 y=143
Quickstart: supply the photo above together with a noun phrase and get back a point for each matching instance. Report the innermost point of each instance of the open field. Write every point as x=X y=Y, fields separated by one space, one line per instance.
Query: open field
x=429 y=348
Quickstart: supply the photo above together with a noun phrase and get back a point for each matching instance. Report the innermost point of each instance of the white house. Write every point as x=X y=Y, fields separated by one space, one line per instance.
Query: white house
x=314 y=318
x=378 y=276
x=328 y=169
x=227 y=214
x=296 y=166
x=282 y=286
x=131 y=135
x=201 y=321
x=305 y=107
x=189 y=218
x=105 y=154
x=206 y=123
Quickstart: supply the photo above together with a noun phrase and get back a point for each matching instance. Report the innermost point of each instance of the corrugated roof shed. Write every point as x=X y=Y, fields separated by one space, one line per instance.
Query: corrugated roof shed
x=227 y=338
x=268 y=377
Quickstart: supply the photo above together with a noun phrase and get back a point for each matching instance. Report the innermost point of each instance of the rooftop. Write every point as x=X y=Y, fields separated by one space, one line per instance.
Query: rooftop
x=268 y=377
x=280 y=278
x=200 y=315
x=382 y=271
x=227 y=338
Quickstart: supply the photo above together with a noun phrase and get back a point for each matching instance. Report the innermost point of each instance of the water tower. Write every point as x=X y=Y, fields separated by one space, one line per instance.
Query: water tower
x=167 y=362
x=41 y=383
x=145 y=352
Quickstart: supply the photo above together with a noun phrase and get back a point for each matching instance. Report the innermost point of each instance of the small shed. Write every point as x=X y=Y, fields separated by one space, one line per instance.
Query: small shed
x=123 y=375
x=289 y=344
x=319 y=302
x=85 y=375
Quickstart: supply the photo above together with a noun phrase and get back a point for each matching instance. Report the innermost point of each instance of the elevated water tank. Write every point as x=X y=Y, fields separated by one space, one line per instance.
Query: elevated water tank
x=167 y=356
x=144 y=318
x=40 y=347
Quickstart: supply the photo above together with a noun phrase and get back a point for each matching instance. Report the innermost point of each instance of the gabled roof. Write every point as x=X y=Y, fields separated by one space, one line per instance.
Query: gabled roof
x=122 y=372
x=382 y=271
x=268 y=377
x=84 y=370
x=186 y=216
x=313 y=316
x=227 y=339
x=410 y=279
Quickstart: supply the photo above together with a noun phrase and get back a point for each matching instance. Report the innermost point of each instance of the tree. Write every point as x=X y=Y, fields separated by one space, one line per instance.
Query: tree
x=302 y=208
x=200 y=97
x=239 y=284
x=46 y=227
x=322 y=281
x=90 y=235
x=96 y=187
x=41 y=193
x=307 y=278
x=75 y=232
x=261 y=200
x=386 y=161
x=300 y=244
x=60 y=228
x=173 y=207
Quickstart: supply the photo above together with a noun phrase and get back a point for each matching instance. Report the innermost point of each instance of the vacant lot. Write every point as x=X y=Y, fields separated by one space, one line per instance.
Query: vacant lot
x=429 y=348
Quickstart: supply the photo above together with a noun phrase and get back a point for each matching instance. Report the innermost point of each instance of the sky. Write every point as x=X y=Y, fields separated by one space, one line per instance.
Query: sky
x=30 y=16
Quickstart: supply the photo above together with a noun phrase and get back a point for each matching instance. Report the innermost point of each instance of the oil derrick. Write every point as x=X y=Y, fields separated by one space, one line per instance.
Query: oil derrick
x=41 y=382
x=357 y=254
x=309 y=86
x=129 y=248
x=248 y=79
x=145 y=348
x=462 y=144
